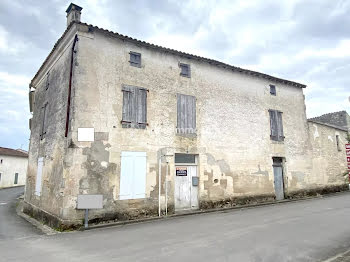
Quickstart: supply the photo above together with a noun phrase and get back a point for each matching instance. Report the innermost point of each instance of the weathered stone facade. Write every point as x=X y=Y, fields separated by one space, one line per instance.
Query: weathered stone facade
x=232 y=141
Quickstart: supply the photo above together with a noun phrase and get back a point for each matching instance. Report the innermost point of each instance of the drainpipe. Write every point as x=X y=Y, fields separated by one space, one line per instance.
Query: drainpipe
x=159 y=180
x=70 y=84
x=166 y=188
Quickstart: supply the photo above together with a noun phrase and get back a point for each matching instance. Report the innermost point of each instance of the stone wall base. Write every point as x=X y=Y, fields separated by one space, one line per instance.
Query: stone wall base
x=50 y=219
x=135 y=214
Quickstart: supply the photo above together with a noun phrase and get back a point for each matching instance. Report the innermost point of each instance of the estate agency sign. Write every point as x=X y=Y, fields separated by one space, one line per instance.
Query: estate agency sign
x=181 y=171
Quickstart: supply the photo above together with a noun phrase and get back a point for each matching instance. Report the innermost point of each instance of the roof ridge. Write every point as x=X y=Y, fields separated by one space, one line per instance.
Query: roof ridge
x=326 y=114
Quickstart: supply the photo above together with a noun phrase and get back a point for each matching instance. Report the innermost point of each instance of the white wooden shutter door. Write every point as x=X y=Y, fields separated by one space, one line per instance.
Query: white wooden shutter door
x=126 y=176
x=39 y=176
x=139 y=183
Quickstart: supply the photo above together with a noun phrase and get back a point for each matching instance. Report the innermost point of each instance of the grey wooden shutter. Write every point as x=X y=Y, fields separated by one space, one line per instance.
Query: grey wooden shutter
x=186 y=114
x=128 y=104
x=141 y=106
x=273 y=125
x=280 y=126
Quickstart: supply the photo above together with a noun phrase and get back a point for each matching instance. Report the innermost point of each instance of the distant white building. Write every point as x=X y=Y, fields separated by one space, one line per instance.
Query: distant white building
x=13 y=167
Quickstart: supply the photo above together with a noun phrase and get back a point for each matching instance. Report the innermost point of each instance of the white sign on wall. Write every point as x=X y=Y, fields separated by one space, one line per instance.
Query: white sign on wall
x=86 y=134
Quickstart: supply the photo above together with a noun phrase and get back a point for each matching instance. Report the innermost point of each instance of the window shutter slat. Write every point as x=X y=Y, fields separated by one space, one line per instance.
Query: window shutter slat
x=280 y=126
x=142 y=106
x=186 y=114
x=273 y=125
x=127 y=104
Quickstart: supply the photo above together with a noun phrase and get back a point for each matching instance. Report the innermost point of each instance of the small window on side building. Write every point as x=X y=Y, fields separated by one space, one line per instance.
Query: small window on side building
x=0 y=177
x=16 y=179
x=338 y=143
x=185 y=70
x=135 y=59
x=273 y=90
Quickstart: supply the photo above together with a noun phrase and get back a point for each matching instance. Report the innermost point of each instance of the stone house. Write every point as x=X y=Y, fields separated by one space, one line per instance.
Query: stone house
x=155 y=130
x=13 y=167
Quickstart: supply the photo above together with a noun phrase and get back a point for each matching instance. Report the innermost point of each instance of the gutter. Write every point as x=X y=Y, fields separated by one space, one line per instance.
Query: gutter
x=70 y=84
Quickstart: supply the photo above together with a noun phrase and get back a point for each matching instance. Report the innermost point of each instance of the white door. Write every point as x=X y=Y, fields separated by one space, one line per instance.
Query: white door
x=186 y=194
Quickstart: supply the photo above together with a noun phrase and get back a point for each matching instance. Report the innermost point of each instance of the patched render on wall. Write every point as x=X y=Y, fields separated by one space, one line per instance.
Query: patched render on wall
x=157 y=131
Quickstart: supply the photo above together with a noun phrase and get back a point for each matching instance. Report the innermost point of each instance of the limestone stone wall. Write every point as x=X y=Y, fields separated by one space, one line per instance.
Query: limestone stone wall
x=233 y=130
x=328 y=159
x=232 y=141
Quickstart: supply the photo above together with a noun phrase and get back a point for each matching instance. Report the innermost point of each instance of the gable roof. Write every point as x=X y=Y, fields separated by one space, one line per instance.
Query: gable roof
x=12 y=152
x=172 y=51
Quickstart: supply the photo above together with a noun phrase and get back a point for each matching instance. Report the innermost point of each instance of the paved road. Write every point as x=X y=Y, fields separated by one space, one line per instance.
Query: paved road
x=310 y=230
x=11 y=225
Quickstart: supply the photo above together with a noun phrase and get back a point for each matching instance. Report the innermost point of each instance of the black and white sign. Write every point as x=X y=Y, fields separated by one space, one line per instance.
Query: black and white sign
x=181 y=171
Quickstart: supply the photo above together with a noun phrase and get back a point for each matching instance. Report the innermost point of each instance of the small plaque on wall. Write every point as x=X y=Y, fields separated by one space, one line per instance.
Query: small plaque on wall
x=181 y=171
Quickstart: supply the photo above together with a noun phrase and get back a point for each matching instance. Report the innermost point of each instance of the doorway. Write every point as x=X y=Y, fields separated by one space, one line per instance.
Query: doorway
x=186 y=182
x=278 y=177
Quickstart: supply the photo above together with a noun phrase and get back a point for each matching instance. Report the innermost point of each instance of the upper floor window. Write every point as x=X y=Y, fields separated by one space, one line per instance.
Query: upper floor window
x=186 y=114
x=185 y=70
x=273 y=90
x=135 y=59
x=134 y=107
x=276 y=125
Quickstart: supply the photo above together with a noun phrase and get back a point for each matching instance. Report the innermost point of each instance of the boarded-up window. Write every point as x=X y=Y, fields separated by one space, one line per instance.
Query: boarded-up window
x=134 y=107
x=39 y=176
x=133 y=175
x=186 y=114
x=276 y=125
x=135 y=59
x=43 y=121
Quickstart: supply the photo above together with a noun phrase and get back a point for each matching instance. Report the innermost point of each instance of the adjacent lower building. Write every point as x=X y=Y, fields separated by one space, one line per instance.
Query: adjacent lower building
x=13 y=167
x=155 y=131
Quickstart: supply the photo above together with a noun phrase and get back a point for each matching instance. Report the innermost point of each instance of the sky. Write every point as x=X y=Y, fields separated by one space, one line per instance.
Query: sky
x=303 y=41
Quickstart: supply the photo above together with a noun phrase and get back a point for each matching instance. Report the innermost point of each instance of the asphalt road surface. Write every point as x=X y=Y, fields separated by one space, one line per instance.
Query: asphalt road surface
x=311 y=230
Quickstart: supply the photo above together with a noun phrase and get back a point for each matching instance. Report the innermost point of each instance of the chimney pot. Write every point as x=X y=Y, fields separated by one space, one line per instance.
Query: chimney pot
x=73 y=13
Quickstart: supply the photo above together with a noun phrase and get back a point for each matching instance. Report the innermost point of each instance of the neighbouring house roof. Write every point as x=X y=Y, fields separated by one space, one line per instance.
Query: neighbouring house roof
x=172 y=51
x=13 y=152
x=326 y=124
x=339 y=119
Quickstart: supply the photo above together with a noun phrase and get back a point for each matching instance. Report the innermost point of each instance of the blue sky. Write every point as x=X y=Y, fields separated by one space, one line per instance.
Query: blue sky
x=303 y=41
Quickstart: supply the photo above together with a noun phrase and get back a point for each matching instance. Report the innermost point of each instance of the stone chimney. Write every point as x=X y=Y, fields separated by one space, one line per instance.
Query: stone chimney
x=73 y=13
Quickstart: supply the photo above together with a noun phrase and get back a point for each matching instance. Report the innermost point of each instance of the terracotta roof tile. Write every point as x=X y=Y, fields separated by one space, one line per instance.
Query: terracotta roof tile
x=12 y=152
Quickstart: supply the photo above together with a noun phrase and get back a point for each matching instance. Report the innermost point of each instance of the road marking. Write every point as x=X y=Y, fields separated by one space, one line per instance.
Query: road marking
x=3 y=203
